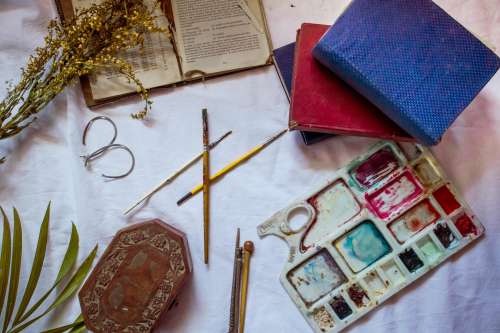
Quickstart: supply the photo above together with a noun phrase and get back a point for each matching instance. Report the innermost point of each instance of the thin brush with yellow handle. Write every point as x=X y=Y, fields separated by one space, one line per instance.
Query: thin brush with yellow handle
x=233 y=165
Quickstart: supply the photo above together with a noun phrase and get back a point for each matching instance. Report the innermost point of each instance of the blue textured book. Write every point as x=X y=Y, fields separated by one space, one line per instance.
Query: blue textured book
x=284 y=61
x=409 y=58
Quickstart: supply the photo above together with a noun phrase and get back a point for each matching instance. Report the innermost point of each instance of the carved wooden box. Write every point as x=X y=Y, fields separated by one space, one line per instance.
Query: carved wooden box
x=137 y=278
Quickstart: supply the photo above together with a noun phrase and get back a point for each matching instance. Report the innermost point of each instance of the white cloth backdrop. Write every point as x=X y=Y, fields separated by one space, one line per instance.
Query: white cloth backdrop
x=43 y=164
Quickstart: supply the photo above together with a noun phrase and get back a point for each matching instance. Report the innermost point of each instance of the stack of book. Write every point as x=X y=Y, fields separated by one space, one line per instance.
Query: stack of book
x=399 y=70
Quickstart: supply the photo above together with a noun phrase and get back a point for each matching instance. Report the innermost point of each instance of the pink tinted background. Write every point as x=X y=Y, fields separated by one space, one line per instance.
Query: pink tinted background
x=463 y=295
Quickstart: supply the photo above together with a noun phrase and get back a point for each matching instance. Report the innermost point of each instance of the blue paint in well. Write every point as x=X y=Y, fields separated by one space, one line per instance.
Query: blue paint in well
x=310 y=271
x=366 y=243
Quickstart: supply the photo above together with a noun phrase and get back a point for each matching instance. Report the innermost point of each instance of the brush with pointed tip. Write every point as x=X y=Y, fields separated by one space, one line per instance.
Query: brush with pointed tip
x=233 y=165
x=176 y=174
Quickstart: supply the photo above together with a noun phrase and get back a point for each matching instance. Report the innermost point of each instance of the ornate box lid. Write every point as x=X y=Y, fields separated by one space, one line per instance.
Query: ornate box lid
x=137 y=278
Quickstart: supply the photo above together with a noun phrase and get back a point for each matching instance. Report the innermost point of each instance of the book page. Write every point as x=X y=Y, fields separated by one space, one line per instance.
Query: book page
x=220 y=35
x=154 y=65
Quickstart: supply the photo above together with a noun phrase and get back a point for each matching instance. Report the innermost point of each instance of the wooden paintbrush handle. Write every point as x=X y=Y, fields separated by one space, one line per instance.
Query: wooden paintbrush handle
x=248 y=249
x=206 y=187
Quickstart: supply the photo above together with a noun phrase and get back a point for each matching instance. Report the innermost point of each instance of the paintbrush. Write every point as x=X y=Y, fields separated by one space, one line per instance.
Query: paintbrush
x=173 y=176
x=233 y=165
x=248 y=249
x=206 y=185
x=235 y=290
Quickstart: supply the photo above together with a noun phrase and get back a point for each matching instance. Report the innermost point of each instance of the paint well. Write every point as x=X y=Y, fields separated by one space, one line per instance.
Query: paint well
x=427 y=173
x=375 y=283
x=362 y=246
x=445 y=235
x=358 y=295
x=393 y=272
x=375 y=168
x=323 y=319
x=410 y=150
x=446 y=199
x=334 y=206
x=414 y=220
x=411 y=260
x=430 y=250
x=465 y=225
x=394 y=197
x=316 y=277
x=340 y=307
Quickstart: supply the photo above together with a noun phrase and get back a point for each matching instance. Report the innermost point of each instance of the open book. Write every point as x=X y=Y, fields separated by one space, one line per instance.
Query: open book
x=209 y=38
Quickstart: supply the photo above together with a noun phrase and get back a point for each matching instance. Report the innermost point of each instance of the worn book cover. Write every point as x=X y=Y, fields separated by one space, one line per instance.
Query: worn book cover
x=322 y=102
x=283 y=62
x=209 y=38
x=411 y=59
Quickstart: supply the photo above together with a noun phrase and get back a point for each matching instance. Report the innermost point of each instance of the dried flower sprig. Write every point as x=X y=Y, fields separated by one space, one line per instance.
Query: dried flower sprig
x=92 y=40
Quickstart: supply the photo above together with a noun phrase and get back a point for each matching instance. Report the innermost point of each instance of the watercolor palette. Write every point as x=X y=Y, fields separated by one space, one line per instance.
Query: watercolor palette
x=384 y=221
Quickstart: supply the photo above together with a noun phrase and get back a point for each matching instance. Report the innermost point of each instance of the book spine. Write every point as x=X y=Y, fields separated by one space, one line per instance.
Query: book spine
x=282 y=80
x=342 y=67
x=291 y=122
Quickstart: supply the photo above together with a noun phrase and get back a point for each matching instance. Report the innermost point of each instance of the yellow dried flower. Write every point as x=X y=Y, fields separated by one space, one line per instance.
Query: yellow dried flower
x=92 y=40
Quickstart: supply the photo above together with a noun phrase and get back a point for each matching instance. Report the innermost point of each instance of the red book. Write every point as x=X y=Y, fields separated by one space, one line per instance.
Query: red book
x=322 y=102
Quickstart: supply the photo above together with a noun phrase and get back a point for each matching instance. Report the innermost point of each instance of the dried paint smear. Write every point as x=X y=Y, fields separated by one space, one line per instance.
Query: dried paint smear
x=340 y=307
x=411 y=151
x=399 y=193
x=411 y=260
x=414 y=220
x=445 y=235
x=393 y=272
x=316 y=277
x=358 y=295
x=334 y=206
x=375 y=283
x=427 y=173
x=376 y=167
x=362 y=246
x=430 y=250
x=465 y=225
x=323 y=319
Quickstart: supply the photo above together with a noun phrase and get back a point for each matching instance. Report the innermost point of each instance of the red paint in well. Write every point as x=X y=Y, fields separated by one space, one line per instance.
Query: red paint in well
x=465 y=225
x=417 y=218
x=415 y=222
x=394 y=197
x=446 y=199
x=376 y=167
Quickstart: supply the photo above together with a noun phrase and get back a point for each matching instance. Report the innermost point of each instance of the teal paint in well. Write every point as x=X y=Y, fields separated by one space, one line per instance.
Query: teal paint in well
x=364 y=245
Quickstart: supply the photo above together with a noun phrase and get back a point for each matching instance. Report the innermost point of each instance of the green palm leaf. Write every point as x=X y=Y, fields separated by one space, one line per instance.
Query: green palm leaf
x=4 y=259
x=15 y=269
x=36 y=267
x=77 y=279
x=67 y=263
x=70 y=256
x=70 y=288
x=10 y=265
x=79 y=329
x=64 y=328
x=74 y=326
